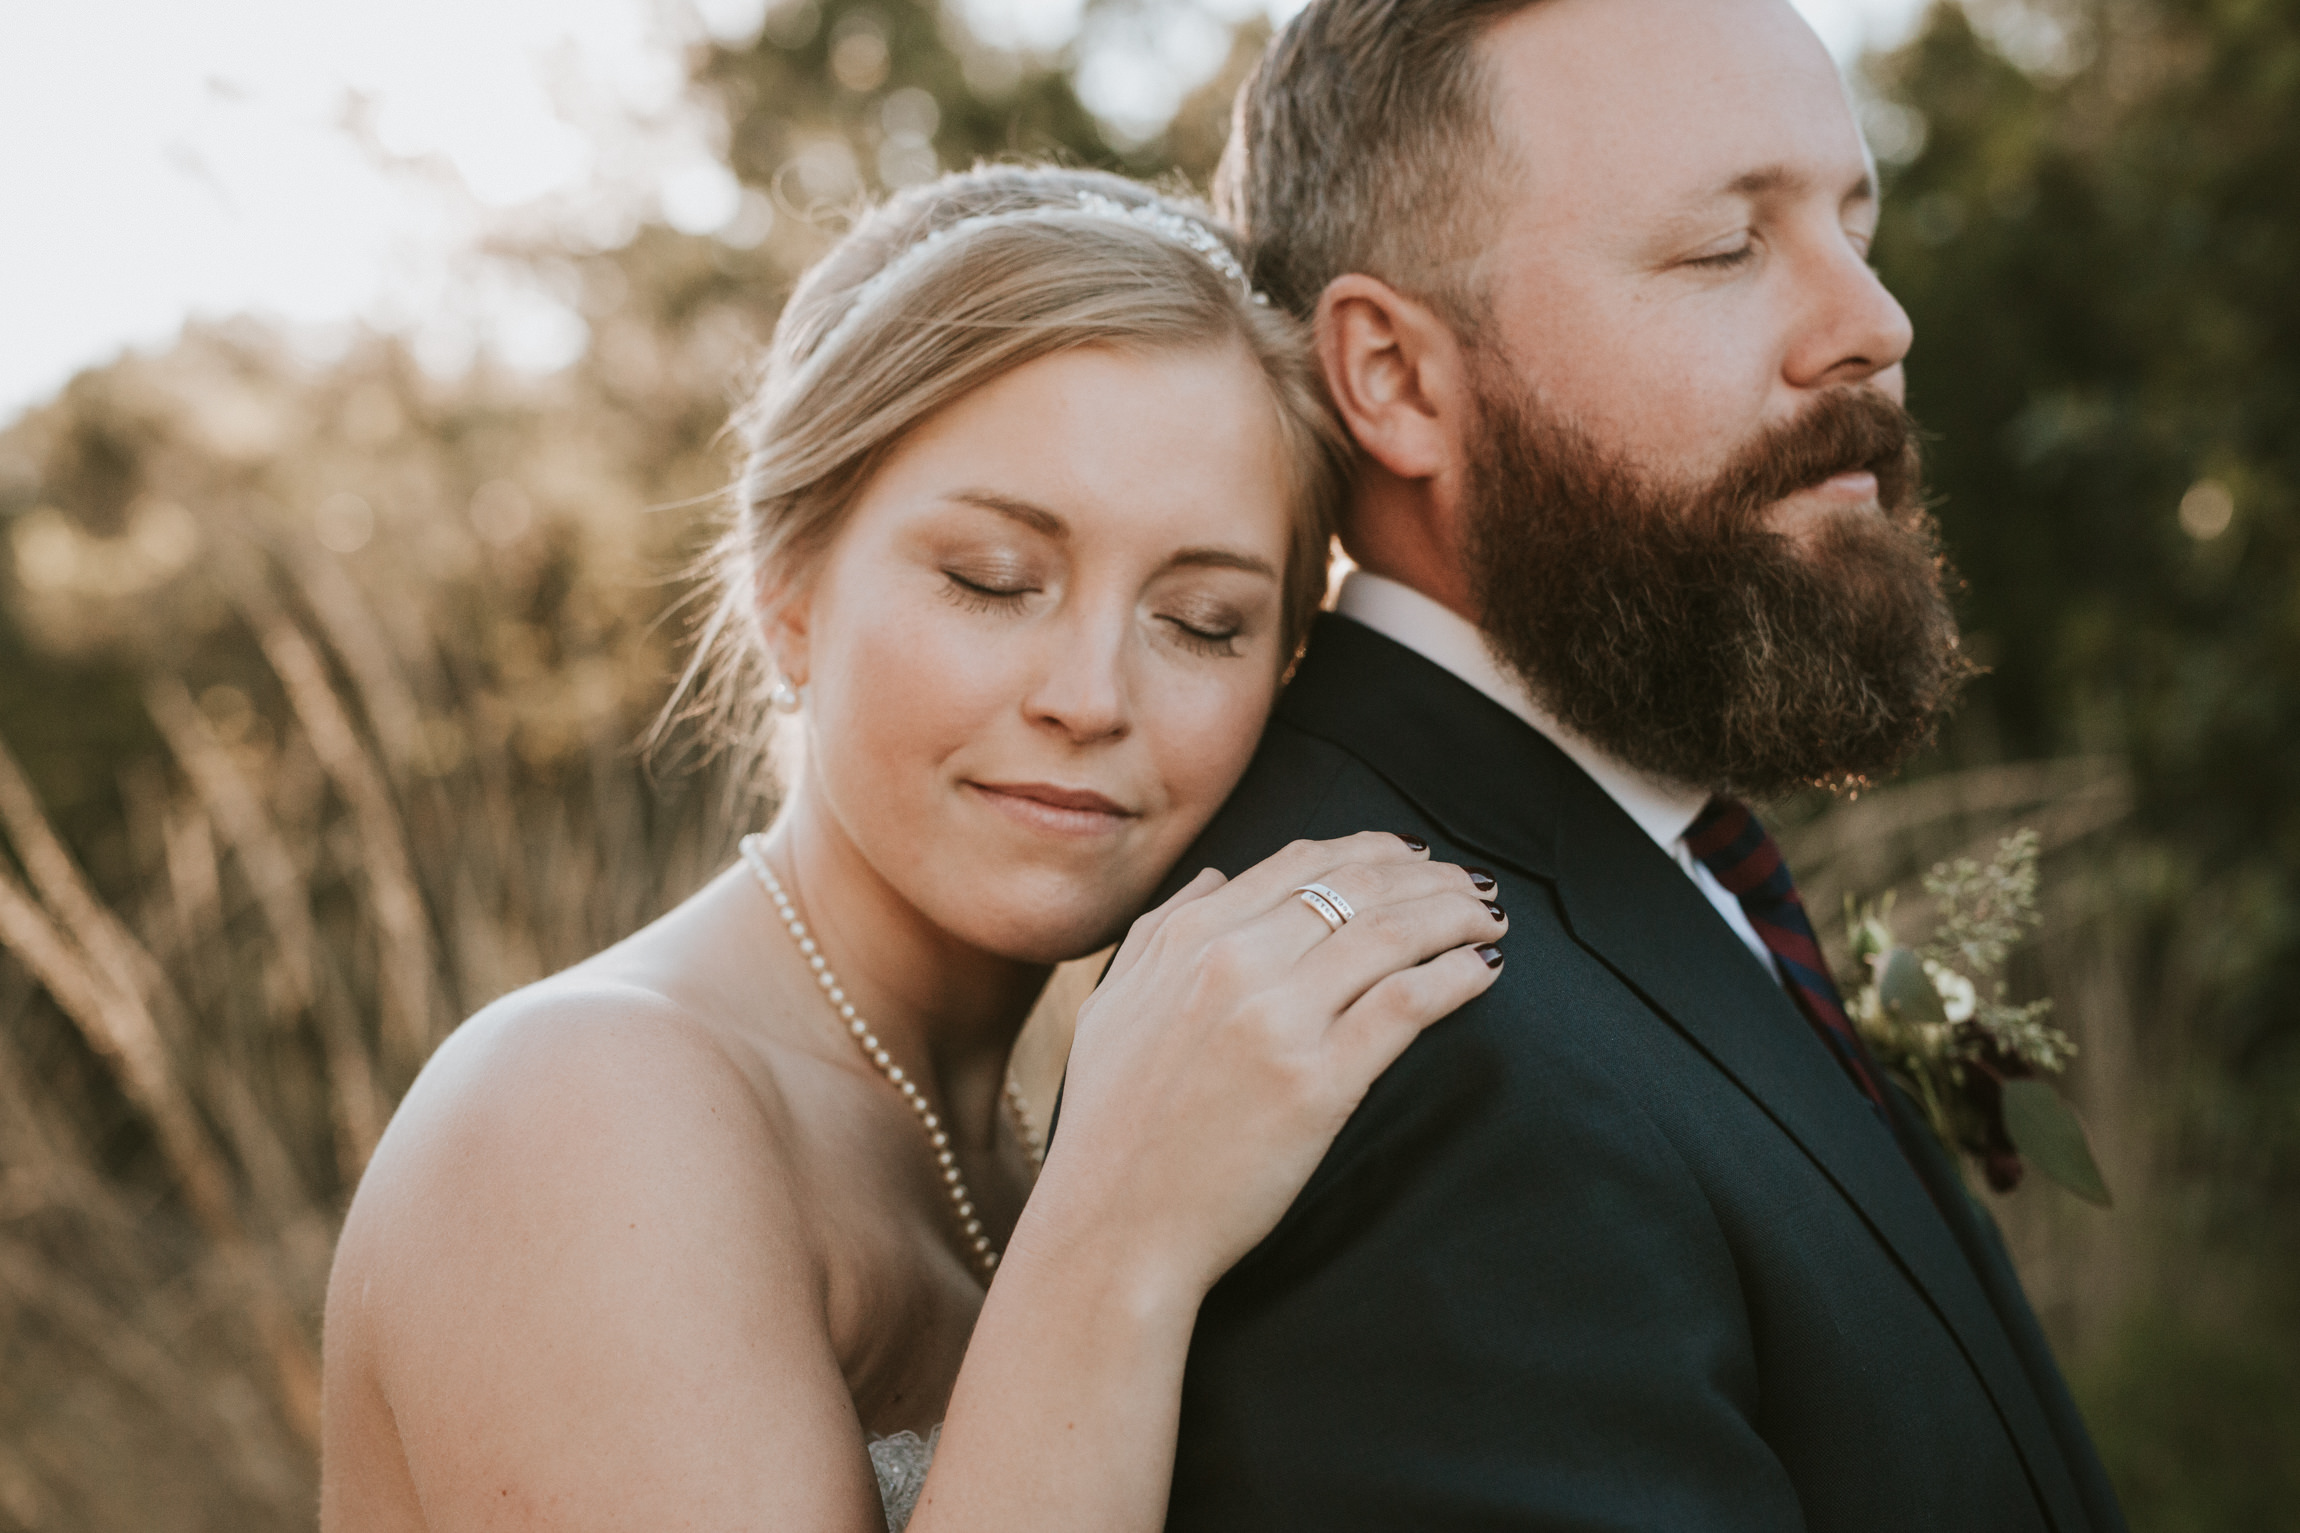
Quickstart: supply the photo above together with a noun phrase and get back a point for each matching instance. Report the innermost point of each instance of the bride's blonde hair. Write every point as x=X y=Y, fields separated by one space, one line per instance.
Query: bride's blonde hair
x=938 y=291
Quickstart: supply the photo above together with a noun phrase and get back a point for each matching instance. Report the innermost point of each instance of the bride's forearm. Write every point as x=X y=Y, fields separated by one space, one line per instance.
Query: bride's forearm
x=1064 y=1413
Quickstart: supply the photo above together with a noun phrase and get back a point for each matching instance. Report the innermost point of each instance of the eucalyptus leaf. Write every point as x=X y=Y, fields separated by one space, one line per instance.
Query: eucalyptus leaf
x=2049 y=1135
x=1906 y=989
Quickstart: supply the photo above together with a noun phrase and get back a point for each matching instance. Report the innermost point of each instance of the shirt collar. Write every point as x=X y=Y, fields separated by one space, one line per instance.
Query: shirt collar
x=1663 y=810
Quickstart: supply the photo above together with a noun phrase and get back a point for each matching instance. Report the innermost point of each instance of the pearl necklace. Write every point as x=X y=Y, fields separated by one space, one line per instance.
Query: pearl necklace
x=874 y=1052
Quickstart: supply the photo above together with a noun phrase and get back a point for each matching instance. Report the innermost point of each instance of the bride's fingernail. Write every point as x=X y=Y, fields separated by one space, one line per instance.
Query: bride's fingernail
x=1493 y=907
x=1414 y=843
x=1479 y=879
x=1491 y=955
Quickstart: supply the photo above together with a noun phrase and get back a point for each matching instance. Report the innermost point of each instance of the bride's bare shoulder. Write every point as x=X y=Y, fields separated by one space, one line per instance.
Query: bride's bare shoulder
x=586 y=1196
x=573 y=1087
x=590 y=1124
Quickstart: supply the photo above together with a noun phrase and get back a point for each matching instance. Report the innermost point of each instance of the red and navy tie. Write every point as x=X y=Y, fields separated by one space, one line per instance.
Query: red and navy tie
x=1745 y=859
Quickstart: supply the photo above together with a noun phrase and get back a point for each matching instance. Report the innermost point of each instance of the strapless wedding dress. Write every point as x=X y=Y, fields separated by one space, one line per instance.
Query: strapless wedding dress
x=901 y=1462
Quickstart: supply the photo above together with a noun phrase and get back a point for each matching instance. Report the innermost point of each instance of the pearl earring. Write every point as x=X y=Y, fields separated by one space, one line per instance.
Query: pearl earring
x=784 y=698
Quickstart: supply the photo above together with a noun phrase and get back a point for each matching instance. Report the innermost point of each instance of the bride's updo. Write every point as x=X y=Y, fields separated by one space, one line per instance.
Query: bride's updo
x=940 y=290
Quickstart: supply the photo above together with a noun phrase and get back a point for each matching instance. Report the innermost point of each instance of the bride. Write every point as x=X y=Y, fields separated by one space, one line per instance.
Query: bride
x=701 y=1233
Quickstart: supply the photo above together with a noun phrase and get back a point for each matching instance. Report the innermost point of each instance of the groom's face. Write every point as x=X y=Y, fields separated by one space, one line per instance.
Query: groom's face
x=1691 y=503
x=1681 y=256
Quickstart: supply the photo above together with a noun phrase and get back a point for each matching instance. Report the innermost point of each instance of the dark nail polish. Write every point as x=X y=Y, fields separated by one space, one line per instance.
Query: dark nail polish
x=1413 y=843
x=1479 y=879
x=1494 y=907
x=1491 y=955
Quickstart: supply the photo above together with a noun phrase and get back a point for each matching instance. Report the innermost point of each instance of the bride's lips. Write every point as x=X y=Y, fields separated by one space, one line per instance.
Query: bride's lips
x=1048 y=806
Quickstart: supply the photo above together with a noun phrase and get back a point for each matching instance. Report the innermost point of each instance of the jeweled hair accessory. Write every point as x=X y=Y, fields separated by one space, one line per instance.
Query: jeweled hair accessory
x=1160 y=220
x=1178 y=227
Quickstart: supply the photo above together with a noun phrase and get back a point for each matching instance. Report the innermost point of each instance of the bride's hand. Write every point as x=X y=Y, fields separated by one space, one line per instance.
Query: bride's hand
x=1234 y=1035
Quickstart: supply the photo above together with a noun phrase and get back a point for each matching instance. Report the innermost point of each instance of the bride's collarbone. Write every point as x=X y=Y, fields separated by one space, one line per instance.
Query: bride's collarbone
x=865 y=1158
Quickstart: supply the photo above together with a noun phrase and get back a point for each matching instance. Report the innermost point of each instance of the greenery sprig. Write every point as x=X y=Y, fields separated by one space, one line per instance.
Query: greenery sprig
x=1939 y=1018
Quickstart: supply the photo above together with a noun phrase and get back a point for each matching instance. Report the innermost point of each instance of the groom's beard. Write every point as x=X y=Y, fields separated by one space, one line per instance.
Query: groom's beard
x=1672 y=629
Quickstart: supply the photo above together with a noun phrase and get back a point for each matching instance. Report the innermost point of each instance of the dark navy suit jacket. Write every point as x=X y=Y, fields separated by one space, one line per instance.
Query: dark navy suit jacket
x=1617 y=1246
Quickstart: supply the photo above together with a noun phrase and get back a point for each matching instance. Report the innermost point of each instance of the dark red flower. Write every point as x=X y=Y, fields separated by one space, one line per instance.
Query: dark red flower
x=1985 y=1075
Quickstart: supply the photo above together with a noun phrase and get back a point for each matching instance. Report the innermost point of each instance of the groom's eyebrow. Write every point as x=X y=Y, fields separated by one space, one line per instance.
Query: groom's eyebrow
x=1776 y=180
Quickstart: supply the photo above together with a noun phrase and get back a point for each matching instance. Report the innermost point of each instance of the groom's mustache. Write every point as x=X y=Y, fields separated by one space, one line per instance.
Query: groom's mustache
x=1848 y=430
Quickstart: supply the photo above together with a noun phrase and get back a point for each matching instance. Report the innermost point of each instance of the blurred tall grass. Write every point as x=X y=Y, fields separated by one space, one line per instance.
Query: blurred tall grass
x=388 y=781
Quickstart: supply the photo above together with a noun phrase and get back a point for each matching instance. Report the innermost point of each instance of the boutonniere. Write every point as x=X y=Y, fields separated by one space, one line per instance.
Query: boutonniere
x=1938 y=1017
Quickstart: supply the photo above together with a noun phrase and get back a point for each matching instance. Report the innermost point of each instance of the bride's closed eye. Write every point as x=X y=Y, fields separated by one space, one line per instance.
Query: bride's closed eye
x=1209 y=629
x=988 y=590
x=1203 y=642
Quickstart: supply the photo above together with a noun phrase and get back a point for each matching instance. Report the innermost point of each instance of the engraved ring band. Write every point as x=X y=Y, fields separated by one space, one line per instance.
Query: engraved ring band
x=1330 y=906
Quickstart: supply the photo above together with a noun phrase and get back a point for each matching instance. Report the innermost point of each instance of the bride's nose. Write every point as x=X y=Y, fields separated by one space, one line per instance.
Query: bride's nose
x=1080 y=682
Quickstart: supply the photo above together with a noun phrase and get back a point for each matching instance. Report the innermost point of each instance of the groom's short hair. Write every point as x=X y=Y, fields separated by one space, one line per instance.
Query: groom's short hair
x=1353 y=148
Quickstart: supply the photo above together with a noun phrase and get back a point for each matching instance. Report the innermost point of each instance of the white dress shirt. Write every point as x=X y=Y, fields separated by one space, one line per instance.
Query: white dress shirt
x=1663 y=810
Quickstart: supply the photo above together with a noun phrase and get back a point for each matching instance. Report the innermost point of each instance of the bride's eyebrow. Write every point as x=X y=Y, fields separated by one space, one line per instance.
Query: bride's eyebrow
x=1039 y=519
x=1035 y=517
x=1220 y=559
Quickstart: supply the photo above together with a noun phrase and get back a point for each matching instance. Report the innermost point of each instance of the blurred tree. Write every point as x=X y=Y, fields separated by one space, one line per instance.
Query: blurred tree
x=831 y=101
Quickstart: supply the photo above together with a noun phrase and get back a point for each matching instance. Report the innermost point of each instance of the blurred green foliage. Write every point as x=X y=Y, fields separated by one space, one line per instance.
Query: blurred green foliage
x=2101 y=254
x=2092 y=216
x=2199 y=1425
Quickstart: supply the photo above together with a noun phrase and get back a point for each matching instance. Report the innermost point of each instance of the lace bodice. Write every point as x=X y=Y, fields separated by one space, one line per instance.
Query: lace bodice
x=901 y=1462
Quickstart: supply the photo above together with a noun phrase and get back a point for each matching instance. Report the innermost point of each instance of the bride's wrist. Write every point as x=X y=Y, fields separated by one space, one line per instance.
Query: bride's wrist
x=1101 y=1249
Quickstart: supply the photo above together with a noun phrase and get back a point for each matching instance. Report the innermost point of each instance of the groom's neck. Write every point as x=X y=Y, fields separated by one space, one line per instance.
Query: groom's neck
x=1408 y=530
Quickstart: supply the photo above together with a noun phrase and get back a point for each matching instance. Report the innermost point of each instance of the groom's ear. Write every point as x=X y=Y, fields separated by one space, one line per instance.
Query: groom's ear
x=1396 y=373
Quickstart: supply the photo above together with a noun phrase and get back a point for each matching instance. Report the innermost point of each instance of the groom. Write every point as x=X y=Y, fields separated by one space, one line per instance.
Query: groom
x=1641 y=1239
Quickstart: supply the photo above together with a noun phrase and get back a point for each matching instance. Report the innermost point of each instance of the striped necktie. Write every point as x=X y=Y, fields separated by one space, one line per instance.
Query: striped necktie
x=1746 y=860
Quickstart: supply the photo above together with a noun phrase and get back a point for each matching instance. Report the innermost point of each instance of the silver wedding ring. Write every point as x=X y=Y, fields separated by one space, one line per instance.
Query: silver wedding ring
x=1330 y=906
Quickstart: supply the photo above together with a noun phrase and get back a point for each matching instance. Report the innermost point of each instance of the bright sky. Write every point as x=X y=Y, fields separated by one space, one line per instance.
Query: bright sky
x=323 y=164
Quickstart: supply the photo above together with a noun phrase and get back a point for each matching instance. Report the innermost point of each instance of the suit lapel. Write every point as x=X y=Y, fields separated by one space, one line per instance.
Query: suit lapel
x=1495 y=784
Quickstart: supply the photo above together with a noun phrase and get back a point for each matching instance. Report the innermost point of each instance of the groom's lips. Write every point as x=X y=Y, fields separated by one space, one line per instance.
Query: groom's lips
x=1049 y=806
x=1851 y=484
x=1850 y=490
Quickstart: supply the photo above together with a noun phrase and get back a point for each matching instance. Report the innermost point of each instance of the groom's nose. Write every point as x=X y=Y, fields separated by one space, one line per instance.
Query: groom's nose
x=1851 y=329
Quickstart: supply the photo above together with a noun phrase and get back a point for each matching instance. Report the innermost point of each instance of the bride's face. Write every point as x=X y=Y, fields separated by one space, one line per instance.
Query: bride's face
x=1040 y=651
